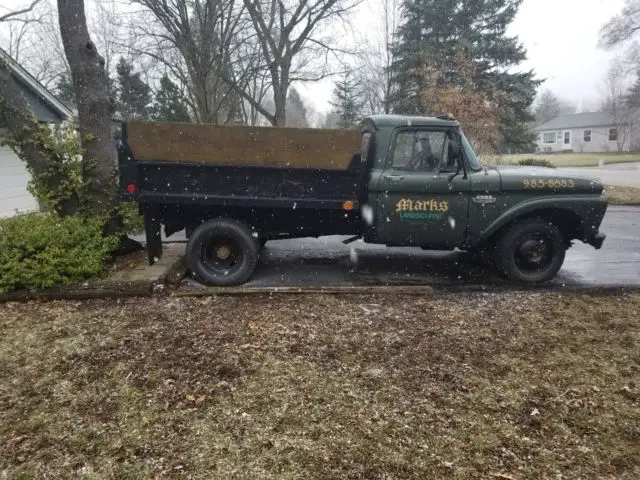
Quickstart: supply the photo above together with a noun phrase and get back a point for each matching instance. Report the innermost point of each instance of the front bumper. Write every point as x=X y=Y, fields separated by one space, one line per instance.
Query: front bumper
x=596 y=240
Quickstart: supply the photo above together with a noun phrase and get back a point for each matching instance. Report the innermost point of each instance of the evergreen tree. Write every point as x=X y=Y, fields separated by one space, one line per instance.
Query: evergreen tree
x=434 y=32
x=549 y=106
x=296 y=110
x=347 y=102
x=170 y=104
x=65 y=91
x=133 y=94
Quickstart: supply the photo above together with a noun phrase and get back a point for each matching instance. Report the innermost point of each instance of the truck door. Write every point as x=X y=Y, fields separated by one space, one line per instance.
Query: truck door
x=421 y=200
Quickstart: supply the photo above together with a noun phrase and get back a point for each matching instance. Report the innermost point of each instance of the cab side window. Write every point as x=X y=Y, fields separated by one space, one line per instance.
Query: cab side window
x=419 y=150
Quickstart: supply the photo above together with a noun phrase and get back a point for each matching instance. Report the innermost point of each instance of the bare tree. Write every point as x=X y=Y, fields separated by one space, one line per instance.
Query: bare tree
x=614 y=101
x=289 y=35
x=94 y=105
x=33 y=39
x=375 y=72
x=622 y=27
x=106 y=23
x=13 y=14
x=199 y=42
x=18 y=30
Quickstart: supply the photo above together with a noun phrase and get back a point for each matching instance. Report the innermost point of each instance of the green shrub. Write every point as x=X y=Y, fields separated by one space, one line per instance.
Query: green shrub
x=40 y=250
x=133 y=222
x=536 y=162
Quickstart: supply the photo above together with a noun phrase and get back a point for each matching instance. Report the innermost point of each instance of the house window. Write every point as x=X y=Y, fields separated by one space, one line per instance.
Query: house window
x=549 y=137
x=587 y=136
x=567 y=138
x=613 y=134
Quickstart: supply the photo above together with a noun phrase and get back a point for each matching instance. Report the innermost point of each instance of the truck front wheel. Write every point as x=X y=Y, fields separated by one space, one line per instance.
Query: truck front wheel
x=530 y=251
x=222 y=252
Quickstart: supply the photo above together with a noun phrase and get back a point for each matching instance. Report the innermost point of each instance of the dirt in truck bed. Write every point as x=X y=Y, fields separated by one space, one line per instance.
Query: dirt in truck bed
x=483 y=386
x=237 y=145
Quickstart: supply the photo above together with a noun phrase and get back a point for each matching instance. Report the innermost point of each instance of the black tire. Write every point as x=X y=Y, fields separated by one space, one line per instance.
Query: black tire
x=530 y=251
x=222 y=252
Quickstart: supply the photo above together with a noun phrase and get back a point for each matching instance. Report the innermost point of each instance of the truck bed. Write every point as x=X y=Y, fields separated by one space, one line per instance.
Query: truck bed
x=303 y=194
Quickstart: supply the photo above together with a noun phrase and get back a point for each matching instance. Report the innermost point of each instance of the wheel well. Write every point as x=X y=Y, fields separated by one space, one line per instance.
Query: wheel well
x=569 y=223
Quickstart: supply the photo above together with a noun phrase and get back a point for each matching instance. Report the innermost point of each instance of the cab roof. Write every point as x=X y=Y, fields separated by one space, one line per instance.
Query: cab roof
x=393 y=121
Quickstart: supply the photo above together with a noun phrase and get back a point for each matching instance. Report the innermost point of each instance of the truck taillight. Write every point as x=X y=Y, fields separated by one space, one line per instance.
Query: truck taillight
x=131 y=188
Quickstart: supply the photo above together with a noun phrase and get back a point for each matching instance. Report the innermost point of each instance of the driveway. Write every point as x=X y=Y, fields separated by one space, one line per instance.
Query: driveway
x=618 y=174
x=328 y=262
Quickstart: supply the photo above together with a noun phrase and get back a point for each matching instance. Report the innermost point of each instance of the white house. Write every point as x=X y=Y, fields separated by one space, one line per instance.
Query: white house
x=14 y=177
x=590 y=132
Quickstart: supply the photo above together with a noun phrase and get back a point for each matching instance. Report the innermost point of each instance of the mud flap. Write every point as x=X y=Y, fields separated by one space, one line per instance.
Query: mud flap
x=154 y=240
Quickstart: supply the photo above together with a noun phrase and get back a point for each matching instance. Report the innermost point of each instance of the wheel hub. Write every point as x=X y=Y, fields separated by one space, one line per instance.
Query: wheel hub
x=534 y=251
x=223 y=252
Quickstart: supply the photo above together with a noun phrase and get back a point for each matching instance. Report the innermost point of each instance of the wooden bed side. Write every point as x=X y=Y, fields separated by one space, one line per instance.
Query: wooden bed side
x=237 y=145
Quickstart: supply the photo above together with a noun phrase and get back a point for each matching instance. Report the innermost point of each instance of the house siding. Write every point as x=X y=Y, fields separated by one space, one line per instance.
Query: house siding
x=599 y=141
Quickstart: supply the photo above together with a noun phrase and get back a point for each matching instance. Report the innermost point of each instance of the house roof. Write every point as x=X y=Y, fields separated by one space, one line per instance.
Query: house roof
x=579 y=120
x=36 y=90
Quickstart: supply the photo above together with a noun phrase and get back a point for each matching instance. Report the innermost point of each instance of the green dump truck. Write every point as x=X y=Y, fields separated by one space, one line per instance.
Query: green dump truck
x=398 y=181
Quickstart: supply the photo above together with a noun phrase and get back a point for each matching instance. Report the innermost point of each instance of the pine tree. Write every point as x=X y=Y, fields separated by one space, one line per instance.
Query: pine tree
x=549 y=106
x=170 y=104
x=296 y=110
x=434 y=32
x=347 y=102
x=65 y=91
x=133 y=94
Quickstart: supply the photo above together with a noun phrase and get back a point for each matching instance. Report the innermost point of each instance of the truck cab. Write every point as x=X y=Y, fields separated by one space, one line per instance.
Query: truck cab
x=427 y=188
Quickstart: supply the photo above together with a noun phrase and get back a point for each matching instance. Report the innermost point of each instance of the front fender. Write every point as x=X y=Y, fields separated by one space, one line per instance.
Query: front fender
x=588 y=209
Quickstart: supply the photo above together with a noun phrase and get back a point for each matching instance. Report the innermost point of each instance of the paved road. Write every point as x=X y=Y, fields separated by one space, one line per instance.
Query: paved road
x=620 y=174
x=328 y=262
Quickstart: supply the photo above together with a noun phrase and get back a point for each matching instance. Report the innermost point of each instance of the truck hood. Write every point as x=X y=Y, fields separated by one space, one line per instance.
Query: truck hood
x=513 y=177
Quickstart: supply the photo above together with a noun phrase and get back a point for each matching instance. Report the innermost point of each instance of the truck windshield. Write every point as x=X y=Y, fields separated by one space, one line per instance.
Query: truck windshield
x=474 y=163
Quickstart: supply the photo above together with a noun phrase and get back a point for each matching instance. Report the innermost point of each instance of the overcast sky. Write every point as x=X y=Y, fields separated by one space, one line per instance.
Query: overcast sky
x=560 y=36
x=561 y=39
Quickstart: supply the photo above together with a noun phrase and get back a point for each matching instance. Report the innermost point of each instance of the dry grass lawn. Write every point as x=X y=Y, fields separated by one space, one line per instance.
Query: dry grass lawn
x=486 y=386
x=623 y=195
x=568 y=159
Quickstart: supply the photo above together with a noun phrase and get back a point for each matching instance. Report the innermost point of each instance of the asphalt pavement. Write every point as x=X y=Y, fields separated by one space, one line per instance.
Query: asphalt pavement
x=327 y=261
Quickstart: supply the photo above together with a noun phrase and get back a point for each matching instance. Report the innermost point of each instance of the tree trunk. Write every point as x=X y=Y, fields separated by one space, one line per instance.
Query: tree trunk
x=280 y=100
x=95 y=108
x=280 y=87
x=22 y=127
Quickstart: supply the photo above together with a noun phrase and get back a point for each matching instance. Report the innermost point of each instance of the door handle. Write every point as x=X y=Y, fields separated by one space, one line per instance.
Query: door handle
x=393 y=178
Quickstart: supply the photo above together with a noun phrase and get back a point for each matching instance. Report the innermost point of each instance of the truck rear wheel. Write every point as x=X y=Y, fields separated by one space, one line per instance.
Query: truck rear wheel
x=530 y=251
x=222 y=252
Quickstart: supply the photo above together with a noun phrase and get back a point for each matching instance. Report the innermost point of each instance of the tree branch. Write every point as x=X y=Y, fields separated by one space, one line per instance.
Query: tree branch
x=11 y=15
